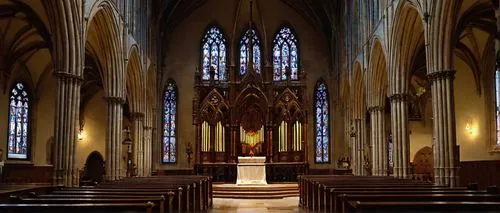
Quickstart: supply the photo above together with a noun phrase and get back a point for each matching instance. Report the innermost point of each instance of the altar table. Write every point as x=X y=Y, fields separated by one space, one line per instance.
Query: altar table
x=251 y=170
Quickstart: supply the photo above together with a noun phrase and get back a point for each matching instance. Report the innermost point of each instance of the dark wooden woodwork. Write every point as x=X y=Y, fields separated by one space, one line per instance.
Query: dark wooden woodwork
x=275 y=172
x=285 y=172
x=484 y=173
x=250 y=102
x=176 y=172
x=27 y=173
x=220 y=172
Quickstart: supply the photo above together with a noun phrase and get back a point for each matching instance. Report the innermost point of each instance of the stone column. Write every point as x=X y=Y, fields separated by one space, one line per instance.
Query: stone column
x=445 y=147
x=157 y=149
x=378 y=142
x=358 y=146
x=65 y=128
x=138 y=125
x=114 y=138
x=399 y=124
x=148 y=152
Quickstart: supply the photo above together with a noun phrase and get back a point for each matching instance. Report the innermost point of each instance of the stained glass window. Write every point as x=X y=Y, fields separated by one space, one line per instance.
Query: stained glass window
x=169 y=123
x=321 y=123
x=285 y=55
x=213 y=54
x=18 y=122
x=245 y=52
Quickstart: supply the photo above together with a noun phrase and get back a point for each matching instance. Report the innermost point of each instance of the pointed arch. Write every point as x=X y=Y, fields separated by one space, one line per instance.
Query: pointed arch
x=244 y=51
x=285 y=54
x=18 y=135
x=321 y=123
x=135 y=81
x=345 y=89
x=358 y=92
x=169 y=118
x=103 y=37
x=214 y=53
x=407 y=34
x=377 y=82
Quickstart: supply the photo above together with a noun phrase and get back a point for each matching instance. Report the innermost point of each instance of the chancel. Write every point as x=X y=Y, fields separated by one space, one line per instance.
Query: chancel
x=249 y=105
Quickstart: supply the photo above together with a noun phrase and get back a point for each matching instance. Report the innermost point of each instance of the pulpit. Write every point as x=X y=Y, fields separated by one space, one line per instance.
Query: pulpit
x=251 y=170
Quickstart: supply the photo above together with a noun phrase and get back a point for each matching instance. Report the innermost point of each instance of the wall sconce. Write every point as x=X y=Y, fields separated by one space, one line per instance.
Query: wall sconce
x=81 y=133
x=468 y=126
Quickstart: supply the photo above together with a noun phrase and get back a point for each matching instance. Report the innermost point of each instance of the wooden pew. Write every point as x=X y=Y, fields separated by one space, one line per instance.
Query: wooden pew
x=184 y=193
x=318 y=191
x=430 y=206
x=311 y=192
x=158 y=201
x=119 y=194
x=387 y=194
x=346 y=198
x=336 y=197
x=78 y=208
x=198 y=189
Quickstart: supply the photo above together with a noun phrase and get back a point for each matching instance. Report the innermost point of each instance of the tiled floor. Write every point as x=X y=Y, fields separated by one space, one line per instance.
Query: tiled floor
x=223 y=205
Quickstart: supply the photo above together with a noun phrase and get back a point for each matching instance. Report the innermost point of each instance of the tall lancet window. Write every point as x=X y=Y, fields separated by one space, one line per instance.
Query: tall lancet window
x=18 y=139
x=213 y=54
x=285 y=55
x=245 y=52
x=169 y=123
x=321 y=122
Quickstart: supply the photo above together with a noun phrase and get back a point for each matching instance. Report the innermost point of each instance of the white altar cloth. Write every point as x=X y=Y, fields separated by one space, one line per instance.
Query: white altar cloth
x=251 y=170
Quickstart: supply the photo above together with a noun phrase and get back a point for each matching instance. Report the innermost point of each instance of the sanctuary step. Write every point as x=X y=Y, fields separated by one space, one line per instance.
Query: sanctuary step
x=268 y=191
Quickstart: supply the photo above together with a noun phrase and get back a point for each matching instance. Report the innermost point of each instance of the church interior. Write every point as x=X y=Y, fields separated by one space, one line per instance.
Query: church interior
x=249 y=105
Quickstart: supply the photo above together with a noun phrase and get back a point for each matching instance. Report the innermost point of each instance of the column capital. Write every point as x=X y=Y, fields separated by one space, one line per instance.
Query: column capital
x=376 y=109
x=117 y=100
x=441 y=74
x=398 y=97
x=137 y=115
x=66 y=75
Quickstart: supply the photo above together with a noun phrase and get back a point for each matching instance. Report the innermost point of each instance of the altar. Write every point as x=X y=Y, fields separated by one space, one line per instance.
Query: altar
x=251 y=170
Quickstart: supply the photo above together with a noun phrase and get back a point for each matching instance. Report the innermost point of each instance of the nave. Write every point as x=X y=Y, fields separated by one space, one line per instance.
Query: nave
x=249 y=105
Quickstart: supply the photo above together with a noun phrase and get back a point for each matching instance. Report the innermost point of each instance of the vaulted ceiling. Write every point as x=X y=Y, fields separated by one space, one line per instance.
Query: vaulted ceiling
x=319 y=13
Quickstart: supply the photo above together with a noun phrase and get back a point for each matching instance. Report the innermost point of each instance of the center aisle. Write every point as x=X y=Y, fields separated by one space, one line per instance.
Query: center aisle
x=229 y=205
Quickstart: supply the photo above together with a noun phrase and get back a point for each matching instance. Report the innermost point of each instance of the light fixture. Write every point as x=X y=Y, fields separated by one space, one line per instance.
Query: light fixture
x=468 y=126
x=81 y=133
